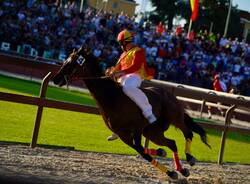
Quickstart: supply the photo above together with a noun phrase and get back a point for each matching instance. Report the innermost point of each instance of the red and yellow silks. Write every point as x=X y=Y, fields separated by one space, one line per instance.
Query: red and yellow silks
x=134 y=61
x=194 y=7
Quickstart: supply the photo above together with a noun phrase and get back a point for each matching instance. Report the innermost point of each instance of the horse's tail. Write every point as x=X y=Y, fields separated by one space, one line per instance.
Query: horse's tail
x=196 y=128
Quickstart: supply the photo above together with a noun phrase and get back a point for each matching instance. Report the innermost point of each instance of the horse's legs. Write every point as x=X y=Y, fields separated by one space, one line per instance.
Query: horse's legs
x=188 y=134
x=155 y=133
x=134 y=141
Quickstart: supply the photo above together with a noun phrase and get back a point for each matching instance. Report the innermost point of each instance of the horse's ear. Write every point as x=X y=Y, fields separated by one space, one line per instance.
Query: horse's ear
x=88 y=50
x=73 y=53
x=85 y=50
x=81 y=50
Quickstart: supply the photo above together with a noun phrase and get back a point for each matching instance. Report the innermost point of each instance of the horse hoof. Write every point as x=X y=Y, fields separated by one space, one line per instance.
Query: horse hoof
x=190 y=159
x=161 y=152
x=172 y=175
x=185 y=172
x=192 y=162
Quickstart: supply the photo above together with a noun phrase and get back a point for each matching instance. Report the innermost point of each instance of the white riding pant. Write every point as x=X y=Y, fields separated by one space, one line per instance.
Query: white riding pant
x=130 y=85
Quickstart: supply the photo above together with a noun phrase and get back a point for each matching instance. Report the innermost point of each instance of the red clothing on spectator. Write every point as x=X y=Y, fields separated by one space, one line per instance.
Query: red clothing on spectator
x=217 y=86
x=160 y=28
x=179 y=49
x=162 y=53
x=191 y=36
x=178 y=31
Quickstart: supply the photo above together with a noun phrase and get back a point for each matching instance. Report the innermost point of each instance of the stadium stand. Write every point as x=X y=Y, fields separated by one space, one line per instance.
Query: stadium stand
x=49 y=31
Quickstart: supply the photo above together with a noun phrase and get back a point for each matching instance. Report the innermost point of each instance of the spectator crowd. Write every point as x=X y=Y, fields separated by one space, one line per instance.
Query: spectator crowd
x=193 y=60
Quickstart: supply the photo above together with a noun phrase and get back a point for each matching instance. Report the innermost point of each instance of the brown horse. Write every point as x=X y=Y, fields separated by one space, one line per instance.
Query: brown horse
x=124 y=117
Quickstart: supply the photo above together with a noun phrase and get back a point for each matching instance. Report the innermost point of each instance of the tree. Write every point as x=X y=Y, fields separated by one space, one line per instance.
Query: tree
x=215 y=11
x=167 y=10
x=211 y=12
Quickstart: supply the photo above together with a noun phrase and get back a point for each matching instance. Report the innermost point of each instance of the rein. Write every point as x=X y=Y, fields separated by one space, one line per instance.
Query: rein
x=69 y=78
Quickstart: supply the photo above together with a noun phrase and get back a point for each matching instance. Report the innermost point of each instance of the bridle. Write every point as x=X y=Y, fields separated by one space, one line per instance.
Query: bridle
x=69 y=78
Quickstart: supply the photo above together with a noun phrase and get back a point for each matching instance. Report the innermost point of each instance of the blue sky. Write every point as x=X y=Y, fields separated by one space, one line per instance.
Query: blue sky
x=242 y=4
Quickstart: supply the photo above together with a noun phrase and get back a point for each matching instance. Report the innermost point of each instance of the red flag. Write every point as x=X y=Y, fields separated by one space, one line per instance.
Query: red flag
x=194 y=7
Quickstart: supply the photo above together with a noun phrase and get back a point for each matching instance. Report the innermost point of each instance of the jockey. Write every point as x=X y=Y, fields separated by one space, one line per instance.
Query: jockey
x=130 y=70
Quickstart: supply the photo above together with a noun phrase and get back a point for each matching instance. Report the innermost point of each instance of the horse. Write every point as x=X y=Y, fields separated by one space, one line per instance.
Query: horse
x=123 y=117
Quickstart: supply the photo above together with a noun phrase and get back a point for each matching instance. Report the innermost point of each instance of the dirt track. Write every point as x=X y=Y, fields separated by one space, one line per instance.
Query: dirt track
x=21 y=164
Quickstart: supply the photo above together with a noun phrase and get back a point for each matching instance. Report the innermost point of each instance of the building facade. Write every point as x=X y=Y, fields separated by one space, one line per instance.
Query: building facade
x=245 y=20
x=116 y=6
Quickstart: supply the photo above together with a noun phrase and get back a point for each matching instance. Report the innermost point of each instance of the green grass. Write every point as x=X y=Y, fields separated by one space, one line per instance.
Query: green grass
x=19 y=86
x=88 y=132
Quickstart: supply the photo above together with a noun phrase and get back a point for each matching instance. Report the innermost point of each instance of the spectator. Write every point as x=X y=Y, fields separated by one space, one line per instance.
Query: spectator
x=220 y=86
x=160 y=28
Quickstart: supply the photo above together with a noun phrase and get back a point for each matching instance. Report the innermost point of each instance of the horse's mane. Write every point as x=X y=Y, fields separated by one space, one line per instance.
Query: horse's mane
x=107 y=86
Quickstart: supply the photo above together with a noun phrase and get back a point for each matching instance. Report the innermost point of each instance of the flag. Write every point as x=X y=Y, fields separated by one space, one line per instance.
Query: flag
x=194 y=7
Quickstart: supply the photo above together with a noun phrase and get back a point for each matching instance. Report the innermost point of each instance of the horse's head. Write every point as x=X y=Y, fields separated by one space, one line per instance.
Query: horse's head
x=73 y=67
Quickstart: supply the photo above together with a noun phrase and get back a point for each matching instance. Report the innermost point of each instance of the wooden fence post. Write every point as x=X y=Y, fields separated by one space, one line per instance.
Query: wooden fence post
x=43 y=91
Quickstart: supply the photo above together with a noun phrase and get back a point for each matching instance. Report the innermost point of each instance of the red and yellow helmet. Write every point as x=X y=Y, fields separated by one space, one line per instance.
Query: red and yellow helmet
x=126 y=36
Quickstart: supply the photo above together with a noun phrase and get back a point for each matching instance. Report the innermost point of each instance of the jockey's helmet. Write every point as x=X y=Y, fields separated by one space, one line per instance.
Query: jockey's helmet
x=125 y=36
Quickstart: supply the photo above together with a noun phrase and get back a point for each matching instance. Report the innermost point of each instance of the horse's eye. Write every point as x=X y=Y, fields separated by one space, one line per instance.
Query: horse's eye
x=80 y=60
